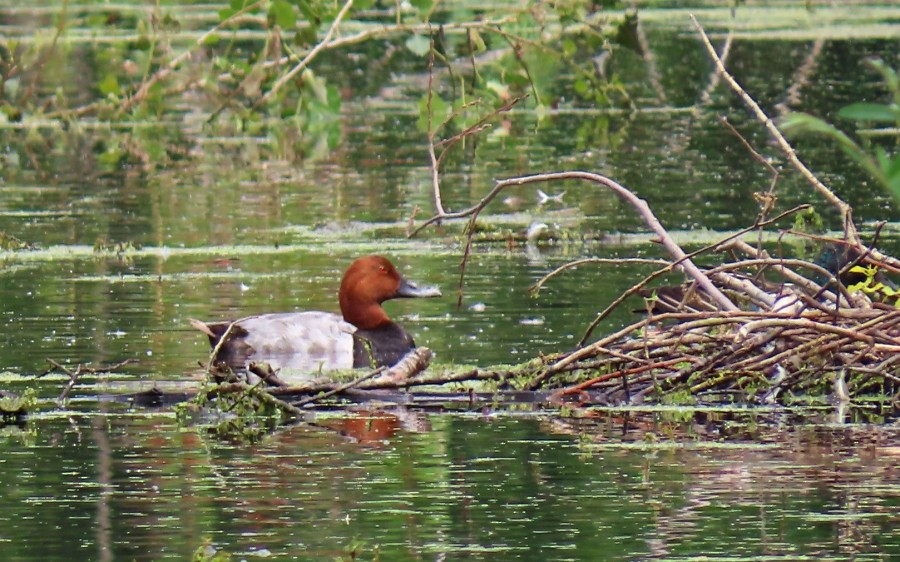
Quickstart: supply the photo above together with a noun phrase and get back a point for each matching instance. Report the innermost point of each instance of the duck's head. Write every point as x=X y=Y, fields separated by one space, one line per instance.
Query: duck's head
x=368 y=282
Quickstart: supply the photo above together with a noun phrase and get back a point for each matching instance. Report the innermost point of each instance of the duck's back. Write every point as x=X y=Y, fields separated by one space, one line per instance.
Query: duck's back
x=307 y=342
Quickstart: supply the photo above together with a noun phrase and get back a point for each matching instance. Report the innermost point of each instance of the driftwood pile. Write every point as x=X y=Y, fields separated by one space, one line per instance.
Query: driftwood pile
x=791 y=338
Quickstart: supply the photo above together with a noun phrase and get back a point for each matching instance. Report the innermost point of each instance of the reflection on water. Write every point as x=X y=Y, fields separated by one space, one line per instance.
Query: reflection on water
x=110 y=483
x=415 y=486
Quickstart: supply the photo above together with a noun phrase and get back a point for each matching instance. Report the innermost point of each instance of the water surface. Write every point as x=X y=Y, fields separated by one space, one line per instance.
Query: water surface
x=219 y=222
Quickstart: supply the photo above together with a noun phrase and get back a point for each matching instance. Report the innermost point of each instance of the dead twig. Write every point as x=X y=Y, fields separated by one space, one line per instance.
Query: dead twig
x=77 y=373
x=843 y=208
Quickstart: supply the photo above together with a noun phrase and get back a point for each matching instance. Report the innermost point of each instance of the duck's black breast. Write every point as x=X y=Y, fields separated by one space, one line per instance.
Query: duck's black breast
x=381 y=347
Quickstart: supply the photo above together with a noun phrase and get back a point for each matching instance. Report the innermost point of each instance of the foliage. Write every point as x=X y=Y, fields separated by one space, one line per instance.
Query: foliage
x=206 y=552
x=276 y=69
x=10 y=242
x=241 y=417
x=14 y=406
x=882 y=163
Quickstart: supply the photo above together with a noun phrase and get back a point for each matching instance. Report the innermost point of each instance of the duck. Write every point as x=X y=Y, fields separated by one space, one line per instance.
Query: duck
x=363 y=335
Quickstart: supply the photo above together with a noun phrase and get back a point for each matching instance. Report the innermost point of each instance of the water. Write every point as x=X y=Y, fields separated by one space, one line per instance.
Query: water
x=413 y=485
x=230 y=218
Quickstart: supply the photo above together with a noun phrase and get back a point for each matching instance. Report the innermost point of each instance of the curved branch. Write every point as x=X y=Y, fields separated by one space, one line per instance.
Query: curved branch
x=614 y=261
x=323 y=44
x=683 y=261
x=650 y=219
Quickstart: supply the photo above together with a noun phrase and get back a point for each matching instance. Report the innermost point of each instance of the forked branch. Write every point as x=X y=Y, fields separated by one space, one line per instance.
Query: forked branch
x=678 y=255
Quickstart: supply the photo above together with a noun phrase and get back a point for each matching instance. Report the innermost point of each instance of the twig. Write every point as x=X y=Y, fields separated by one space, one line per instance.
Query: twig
x=536 y=287
x=77 y=373
x=340 y=388
x=432 y=132
x=45 y=56
x=845 y=210
x=609 y=376
x=324 y=43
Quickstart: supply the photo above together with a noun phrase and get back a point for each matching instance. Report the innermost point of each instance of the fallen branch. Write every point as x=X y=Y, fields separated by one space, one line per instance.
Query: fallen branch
x=80 y=370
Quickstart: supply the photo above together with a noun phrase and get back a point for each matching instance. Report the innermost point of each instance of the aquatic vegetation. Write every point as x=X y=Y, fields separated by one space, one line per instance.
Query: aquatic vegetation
x=14 y=406
x=874 y=149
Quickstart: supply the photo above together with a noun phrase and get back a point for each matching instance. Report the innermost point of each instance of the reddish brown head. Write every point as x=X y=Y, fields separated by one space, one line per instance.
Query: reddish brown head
x=370 y=281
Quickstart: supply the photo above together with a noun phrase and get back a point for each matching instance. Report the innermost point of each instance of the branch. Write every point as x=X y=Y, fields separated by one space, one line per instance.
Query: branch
x=845 y=210
x=323 y=44
x=612 y=261
x=684 y=262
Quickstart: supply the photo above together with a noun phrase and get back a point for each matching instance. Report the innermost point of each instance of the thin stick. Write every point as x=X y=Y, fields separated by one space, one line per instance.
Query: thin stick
x=432 y=132
x=845 y=210
x=613 y=261
x=340 y=388
x=309 y=56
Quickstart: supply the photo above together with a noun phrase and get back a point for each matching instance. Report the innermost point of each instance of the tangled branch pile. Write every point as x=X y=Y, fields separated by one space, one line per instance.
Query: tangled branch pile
x=757 y=326
x=791 y=336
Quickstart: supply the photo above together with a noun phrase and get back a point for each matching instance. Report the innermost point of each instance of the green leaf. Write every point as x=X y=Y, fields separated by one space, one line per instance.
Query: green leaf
x=317 y=85
x=283 y=14
x=581 y=86
x=440 y=110
x=875 y=112
x=891 y=80
x=109 y=86
x=334 y=99
x=226 y=13
x=419 y=44
x=889 y=164
x=424 y=6
x=310 y=13
x=476 y=41
x=211 y=39
x=306 y=35
x=170 y=23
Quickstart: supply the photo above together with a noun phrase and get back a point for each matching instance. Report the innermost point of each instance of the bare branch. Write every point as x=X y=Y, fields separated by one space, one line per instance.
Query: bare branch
x=323 y=44
x=845 y=210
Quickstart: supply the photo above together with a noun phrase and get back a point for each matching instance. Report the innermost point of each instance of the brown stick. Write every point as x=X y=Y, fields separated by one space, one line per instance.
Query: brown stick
x=684 y=262
x=843 y=208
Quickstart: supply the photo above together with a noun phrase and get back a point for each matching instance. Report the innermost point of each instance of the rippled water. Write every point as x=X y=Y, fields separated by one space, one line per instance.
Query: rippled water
x=407 y=485
x=244 y=225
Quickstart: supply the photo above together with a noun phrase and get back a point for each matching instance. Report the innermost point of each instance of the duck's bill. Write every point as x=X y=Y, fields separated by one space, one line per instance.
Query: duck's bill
x=410 y=290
